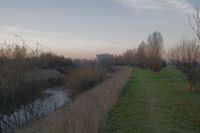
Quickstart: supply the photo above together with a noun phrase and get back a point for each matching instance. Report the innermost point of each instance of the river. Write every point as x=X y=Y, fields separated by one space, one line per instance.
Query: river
x=49 y=100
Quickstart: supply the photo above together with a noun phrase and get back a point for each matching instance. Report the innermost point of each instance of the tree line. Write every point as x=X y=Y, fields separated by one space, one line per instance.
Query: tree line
x=185 y=55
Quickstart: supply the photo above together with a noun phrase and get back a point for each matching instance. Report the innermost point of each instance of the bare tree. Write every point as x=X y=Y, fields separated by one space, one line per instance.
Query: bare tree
x=141 y=55
x=155 y=50
x=186 y=57
x=129 y=57
x=195 y=22
x=155 y=43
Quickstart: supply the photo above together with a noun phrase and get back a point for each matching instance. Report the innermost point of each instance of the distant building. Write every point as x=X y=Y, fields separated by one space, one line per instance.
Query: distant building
x=104 y=60
x=104 y=56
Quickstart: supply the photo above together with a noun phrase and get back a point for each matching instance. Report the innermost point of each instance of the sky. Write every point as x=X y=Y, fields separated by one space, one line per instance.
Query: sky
x=84 y=28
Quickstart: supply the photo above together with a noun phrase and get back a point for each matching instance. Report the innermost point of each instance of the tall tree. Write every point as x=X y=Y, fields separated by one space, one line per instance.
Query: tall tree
x=155 y=49
x=141 y=55
x=129 y=57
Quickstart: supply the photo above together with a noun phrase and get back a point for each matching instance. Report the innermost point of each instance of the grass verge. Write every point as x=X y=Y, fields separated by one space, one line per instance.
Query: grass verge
x=156 y=103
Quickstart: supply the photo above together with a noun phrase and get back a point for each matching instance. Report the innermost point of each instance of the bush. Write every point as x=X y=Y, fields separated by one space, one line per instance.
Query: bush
x=21 y=81
x=186 y=57
x=83 y=78
x=15 y=89
x=52 y=61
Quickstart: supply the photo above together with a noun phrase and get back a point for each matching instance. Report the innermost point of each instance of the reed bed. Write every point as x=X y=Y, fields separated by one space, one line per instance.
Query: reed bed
x=85 y=114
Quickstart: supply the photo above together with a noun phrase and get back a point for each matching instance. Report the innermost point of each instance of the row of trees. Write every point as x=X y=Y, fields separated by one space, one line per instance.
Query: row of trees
x=147 y=55
x=185 y=56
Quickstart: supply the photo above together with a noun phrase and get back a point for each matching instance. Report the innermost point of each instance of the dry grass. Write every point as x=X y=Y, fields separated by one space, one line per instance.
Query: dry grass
x=83 y=78
x=22 y=77
x=87 y=113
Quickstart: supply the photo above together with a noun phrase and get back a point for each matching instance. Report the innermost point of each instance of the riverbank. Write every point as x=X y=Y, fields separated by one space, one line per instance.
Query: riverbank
x=84 y=114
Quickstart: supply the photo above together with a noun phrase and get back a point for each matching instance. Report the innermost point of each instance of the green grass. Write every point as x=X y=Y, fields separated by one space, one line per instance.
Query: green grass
x=156 y=103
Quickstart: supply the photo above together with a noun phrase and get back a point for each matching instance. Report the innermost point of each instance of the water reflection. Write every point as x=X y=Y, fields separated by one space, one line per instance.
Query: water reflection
x=50 y=99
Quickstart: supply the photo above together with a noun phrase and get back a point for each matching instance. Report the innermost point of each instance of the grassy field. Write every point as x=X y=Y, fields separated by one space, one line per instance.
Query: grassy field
x=156 y=103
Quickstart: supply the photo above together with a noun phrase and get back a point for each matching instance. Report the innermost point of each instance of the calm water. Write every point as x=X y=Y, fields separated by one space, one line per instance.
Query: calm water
x=48 y=102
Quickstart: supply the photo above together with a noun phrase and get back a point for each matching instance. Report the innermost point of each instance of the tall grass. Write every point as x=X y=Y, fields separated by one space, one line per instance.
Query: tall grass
x=18 y=61
x=83 y=78
x=86 y=114
x=22 y=78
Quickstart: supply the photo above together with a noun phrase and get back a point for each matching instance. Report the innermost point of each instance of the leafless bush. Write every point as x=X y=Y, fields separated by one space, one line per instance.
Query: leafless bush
x=126 y=59
x=186 y=57
x=19 y=85
x=119 y=60
x=129 y=57
x=86 y=114
x=52 y=61
x=15 y=61
x=83 y=78
x=82 y=62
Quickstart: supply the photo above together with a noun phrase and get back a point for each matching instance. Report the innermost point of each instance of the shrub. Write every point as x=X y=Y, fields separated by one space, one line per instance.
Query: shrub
x=14 y=88
x=86 y=113
x=21 y=81
x=186 y=57
x=82 y=78
x=52 y=61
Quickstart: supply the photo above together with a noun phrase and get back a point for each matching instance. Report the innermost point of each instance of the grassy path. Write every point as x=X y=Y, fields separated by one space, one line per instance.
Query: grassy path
x=154 y=115
x=155 y=103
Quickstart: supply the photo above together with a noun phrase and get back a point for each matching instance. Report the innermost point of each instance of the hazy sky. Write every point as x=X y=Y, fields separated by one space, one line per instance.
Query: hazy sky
x=83 y=28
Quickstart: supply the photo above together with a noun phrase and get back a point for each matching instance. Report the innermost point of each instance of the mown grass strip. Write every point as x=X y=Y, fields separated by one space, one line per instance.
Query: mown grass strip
x=173 y=107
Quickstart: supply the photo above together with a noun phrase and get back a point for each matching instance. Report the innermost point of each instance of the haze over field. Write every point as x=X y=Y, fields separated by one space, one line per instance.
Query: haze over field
x=81 y=29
